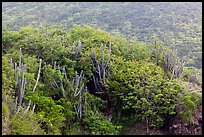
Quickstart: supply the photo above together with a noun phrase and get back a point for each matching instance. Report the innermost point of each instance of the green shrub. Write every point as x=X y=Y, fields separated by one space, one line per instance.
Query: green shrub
x=142 y=90
x=188 y=101
x=98 y=124
x=27 y=125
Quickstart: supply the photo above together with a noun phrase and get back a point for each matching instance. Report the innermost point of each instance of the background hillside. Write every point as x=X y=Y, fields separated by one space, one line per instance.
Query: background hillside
x=176 y=24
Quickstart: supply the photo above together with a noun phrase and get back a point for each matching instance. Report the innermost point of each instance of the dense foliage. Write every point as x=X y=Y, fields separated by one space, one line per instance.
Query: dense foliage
x=84 y=81
x=176 y=23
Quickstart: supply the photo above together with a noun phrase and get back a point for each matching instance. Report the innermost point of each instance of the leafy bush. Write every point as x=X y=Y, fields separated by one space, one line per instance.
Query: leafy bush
x=51 y=114
x=188 y=101
x=141 y=87
x=98 y=124
x=27 y=125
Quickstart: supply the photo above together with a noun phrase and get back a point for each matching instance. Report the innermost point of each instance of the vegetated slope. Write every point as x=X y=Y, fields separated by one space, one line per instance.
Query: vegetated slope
x=85 y=81
x=177 y=24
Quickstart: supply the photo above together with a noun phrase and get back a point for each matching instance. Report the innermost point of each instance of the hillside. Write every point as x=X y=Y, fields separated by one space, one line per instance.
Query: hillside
x=91 y=83
x=176 y=24
x=79 y=79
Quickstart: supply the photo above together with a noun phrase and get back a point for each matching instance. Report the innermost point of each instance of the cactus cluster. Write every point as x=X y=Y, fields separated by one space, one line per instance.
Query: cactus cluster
x=74 y=91
x=20 y=84
x=102 y=69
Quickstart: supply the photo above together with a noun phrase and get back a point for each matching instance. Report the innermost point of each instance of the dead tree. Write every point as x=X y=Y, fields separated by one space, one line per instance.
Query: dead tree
x=170 y=59
x=173 y=64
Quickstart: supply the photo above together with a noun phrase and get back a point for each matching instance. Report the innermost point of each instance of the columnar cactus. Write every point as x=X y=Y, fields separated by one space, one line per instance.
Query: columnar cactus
x=34 y=88
x=102 y=69
x=77 y=89
x=78 y=49
x=21 y=84
x=80 y=93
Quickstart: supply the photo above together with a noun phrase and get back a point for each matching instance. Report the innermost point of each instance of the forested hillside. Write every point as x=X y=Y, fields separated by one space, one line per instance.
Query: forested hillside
x=83 y=80
x=176 y=24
